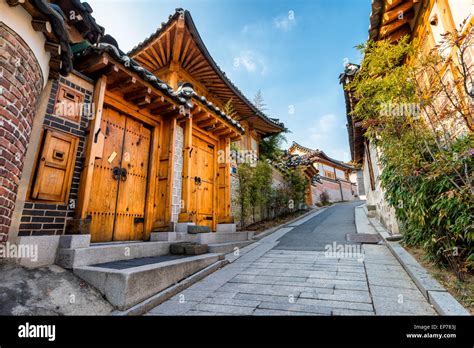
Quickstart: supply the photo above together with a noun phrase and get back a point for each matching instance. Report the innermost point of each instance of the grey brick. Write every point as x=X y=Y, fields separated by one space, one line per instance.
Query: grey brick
x=295 y=307
x=335 y=304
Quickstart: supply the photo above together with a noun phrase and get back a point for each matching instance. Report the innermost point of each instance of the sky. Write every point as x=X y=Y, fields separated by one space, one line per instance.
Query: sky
x=292 y=50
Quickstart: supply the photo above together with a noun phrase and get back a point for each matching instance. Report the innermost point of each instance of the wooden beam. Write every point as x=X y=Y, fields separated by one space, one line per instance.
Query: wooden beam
x=93 y=64
x=390 y=28
x=143 y=101
x=162 y=51
x=119 y=83
x=52 y=48
x=43 y=26
x=207 y=123
x=188 y=56
x=178 y=40
x=201 y=116
x=224 y=131
x=164 y=110
x=397 y=35
x=13 y=3
x=219 y=127
x=398 y=12
x=168 y=45
x=145 y=63
x=137 y=95
x=392 y=3
x=186 y=47
x=156 y=55
x=55 y=63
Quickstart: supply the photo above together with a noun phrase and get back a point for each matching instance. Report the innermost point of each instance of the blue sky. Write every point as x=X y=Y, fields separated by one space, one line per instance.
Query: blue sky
x=293 y=51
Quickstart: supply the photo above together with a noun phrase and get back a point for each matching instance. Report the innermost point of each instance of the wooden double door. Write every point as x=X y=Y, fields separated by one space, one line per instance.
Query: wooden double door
x=119 y=185
x=203 y=181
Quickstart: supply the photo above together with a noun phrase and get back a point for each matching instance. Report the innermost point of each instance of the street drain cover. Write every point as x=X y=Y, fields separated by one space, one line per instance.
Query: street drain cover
x=365 y=238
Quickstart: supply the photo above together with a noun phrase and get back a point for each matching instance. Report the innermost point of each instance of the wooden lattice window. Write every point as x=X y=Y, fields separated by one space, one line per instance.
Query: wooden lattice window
x=69 y=103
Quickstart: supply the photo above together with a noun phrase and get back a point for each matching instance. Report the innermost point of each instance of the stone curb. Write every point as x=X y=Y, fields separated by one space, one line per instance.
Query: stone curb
x=166 y=294
x=443 y=302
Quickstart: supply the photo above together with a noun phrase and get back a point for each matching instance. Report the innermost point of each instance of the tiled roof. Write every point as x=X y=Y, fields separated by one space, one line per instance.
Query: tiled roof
x=164 y=25
x=56 y=16
x=310 y=154
x=178 y=97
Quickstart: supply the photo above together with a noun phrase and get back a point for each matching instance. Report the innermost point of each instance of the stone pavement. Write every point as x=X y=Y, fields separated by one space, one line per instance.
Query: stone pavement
x=307 y=268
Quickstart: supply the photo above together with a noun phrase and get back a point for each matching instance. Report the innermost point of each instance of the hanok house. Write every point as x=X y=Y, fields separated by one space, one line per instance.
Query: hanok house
x=337 y=179
x=107 y=152
x=305 y=166
x=36 y=47
x=425 y=23
x=176 y=53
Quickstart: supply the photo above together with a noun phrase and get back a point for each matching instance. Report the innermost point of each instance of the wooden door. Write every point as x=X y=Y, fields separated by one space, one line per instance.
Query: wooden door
x=117 y=203
x=202 y=193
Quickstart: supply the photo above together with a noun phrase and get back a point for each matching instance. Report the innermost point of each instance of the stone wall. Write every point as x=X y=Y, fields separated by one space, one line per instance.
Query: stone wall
x=177 y=174
x=21 y=82
x=384 y=211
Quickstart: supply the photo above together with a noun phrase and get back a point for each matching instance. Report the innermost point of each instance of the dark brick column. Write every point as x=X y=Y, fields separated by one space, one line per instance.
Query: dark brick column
x=21 y=82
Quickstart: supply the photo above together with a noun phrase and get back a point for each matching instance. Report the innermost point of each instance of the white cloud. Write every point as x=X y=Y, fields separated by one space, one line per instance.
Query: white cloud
x=251 y=61
x=285 y=22
x=323 y=126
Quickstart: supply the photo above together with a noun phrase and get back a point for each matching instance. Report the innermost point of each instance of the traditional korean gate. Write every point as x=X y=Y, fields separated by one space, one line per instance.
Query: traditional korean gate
x=203 y=175
x=119 y=184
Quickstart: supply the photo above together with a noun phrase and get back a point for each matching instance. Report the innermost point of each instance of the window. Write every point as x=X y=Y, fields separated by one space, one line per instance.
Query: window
x=329 y=174
x=69 y=104
x=54 y=166
x=254 y=144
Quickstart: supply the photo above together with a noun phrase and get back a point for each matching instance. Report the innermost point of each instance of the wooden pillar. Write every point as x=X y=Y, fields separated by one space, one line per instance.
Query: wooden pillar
x=94 y=148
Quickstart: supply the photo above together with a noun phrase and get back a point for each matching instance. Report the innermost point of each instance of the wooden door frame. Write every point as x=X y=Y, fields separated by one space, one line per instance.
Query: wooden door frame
x=199 y=133
x=109 y=100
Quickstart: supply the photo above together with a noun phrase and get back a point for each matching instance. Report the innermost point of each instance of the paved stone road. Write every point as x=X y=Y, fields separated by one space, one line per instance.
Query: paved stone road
x=291 y=273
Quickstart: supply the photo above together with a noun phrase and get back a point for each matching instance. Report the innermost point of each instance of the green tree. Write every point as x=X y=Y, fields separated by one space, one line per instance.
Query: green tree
x=244 y=187
x=229 y=109
x=427 y=162
x=260 y=187
x=270 y=146
x=259 y=102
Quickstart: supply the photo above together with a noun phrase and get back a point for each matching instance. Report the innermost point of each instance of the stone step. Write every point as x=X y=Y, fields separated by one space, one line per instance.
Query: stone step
x=223 y=237
x=127 y=283
x=226 y=228
x=202 y=238
x=108 y=252
x=228 y=247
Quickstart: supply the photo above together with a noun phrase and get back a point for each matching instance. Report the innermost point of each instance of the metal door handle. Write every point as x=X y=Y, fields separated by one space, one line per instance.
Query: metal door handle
x=117 y=172
x=123 y=174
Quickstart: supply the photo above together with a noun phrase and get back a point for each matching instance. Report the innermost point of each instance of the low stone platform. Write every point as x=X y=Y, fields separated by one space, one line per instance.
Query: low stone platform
x=108 y=252
x=126 y=287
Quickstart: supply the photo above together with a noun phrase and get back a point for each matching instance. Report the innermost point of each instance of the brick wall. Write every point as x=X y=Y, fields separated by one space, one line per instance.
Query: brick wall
x=39 y=218
x=21 y=83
